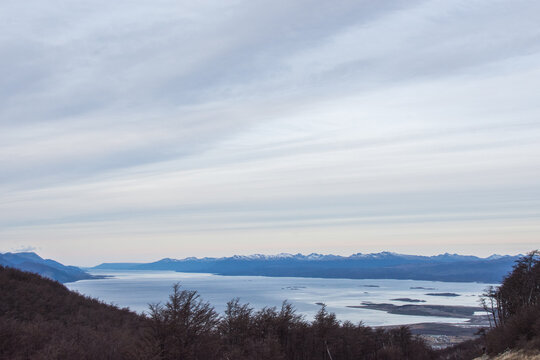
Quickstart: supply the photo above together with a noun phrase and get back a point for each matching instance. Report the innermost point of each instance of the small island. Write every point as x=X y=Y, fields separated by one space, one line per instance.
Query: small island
x=408 y=300
x=446 y=294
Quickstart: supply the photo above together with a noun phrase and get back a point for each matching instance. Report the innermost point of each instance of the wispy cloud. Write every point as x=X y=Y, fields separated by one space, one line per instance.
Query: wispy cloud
x=24 y=248
x=268 y=126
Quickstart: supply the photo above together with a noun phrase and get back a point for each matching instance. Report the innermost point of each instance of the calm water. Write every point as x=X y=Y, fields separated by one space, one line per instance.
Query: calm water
x=136 y=289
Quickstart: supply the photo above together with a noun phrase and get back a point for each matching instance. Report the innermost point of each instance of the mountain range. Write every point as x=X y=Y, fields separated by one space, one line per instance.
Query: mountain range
x=383 y=265
x=31 y=262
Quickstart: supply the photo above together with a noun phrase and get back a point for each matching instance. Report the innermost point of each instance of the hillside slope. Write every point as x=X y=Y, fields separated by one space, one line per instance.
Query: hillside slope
x=42 y=319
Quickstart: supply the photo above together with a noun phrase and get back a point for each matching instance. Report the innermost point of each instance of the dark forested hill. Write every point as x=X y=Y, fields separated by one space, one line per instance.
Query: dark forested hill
x=385 y=265
x=29 y=261
x=41 y=319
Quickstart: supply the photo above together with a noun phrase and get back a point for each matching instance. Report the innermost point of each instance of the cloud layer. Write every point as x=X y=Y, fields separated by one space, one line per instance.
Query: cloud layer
x=136 y=130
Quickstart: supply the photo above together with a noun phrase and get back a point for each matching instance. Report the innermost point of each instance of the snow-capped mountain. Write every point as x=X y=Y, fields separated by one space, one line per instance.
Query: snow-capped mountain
x=390 y=265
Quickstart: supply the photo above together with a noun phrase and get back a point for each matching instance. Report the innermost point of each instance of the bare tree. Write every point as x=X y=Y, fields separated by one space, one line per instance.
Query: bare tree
x=185 y=326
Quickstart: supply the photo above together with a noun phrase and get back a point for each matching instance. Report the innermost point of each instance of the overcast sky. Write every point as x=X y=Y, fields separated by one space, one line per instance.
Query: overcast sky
x=136 y=130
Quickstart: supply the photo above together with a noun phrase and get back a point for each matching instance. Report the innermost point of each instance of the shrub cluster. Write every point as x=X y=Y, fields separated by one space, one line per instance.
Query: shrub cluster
x=188 y=328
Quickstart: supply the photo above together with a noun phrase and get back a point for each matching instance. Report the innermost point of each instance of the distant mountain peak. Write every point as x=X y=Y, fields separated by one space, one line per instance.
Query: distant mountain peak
x=496 y=257
x=25 y=254
x=317 y=256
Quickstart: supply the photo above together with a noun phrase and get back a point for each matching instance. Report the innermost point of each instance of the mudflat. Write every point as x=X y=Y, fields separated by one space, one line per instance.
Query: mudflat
x=422 y=310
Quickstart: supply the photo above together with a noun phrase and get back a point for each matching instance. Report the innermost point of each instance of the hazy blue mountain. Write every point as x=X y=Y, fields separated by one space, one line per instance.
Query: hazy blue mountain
x=384 y=265
x=29 y=261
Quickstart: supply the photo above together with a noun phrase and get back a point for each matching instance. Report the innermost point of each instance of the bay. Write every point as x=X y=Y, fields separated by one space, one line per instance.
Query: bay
x=137 y=289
